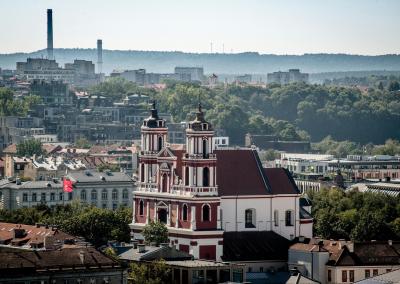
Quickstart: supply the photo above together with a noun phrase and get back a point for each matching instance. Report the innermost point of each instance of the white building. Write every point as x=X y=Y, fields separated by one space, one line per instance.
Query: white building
x=104 y=190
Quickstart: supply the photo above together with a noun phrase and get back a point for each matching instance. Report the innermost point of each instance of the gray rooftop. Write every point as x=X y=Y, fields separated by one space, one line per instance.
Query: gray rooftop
x=90 y=176
x=33 y=185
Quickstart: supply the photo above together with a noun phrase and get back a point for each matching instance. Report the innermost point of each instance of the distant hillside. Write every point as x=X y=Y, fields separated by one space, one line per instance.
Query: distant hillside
x=240 y=63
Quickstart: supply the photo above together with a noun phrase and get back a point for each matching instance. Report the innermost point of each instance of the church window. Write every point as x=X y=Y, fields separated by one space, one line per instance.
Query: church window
x=160 y=143
x=206 y=213
x=289 y=218
x=250 y=218
x=206 y=177
x=141 y=207
x=187 y=176
x=184 y=212
x=276 y=218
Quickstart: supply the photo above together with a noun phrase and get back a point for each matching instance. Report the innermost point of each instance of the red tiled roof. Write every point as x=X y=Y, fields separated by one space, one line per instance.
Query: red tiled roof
x=29 y=234
x=231 y=177
x=11 y=149
x=280 y=181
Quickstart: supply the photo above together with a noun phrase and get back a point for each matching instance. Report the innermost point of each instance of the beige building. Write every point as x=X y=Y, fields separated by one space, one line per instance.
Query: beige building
x=339 y=262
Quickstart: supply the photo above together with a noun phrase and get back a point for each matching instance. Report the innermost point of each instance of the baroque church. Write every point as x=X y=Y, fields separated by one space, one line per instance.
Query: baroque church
x=203 y=194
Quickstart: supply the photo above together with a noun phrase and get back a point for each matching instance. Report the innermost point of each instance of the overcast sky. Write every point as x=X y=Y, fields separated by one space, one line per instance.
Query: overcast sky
x=266 y=26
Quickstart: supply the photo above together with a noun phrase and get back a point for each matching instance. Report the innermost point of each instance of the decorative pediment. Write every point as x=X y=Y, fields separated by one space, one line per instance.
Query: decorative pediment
x=166 y=153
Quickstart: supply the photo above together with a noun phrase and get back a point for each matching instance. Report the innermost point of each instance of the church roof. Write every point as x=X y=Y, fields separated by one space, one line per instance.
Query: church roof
x=257 y=181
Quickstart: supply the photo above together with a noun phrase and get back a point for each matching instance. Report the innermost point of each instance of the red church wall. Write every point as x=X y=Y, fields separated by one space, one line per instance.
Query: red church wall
x=185 y=224
x=173 y=215
x=207 y=252
x=138 y=218
x=151 y=204
x=203 y=225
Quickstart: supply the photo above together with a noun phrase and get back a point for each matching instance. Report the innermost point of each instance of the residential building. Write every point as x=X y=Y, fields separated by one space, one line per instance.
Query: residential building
x=265 y=142
x=190 y=73
x=221 y=142
x=200 y=193
x=246 y=78
x=48 y=168
x=292 y=76
x=304 y=163
x=34 y=237
x=391 y=277
x=53 y=93
x=103 y=189
x=69 y=265
x=330 y=261
x=379 y=167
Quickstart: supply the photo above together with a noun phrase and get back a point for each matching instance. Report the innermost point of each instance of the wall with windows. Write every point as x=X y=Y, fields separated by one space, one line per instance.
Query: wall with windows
x=350 y=274
x=258 y=213
x=13 y=196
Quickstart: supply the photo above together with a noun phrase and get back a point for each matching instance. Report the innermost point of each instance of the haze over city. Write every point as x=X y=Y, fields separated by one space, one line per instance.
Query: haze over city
x=367 y=27
x=194 y=142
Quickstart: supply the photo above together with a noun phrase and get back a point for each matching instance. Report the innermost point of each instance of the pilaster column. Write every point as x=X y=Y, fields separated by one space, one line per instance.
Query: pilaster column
x=177 y=216
x=169 y=216
x=219 y=221
x=134 y=211
x=147 y=212
x=193 y=217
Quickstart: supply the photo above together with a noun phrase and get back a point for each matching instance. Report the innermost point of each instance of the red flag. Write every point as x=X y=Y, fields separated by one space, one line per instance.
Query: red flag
x=67 y=185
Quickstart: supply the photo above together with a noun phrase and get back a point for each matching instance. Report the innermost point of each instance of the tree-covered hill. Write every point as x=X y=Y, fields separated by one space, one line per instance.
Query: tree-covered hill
x=291 y=112
x=239 y=63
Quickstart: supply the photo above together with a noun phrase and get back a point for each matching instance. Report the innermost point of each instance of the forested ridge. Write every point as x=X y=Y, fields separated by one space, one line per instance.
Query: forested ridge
x=220 y=63
x=292 y=112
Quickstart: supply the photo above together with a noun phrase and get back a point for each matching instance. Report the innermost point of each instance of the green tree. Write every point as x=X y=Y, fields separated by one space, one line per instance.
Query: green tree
x=156 y=272
x=29 y=148
x=155 y=232
x=83 y=143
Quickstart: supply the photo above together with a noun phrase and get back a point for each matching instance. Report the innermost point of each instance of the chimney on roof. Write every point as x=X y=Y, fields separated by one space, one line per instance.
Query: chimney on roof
x=135 y=244
x=350 y=246
x=141 y=248
x=82 y=256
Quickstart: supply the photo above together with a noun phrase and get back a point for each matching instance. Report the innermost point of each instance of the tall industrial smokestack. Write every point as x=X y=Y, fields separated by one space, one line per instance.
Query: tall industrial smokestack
x=99 y=56
x=50 y=34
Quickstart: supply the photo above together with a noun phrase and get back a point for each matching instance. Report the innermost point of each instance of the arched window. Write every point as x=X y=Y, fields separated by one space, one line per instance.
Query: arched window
x=104 y=195
x=141 y=208
x=83 y=194
x=186 y=175
x=206 y=176
x=125 y=194
x=164 y=183
x=289 y=218
x=114 y=194
x=142 y=173
x=206 y=214
x=160 y=143
x=250 y=218
x=94 y=194
x=276 y=218
x=184 y=212
x=205 y=152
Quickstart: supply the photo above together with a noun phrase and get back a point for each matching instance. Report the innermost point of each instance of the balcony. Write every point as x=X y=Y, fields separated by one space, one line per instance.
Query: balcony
x=194 y=190
x=147 y=187
x=148 y=153
x=200 y=156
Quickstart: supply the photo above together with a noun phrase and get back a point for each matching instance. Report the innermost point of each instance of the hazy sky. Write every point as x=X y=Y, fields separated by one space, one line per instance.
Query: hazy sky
x=266 y=26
